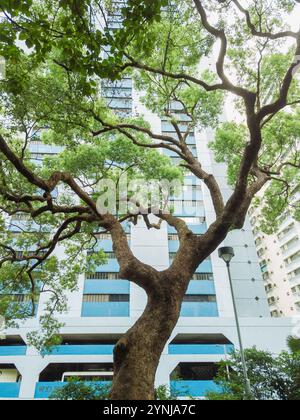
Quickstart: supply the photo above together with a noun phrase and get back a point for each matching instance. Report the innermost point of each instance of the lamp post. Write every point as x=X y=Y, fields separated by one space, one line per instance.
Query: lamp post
x=226 y=254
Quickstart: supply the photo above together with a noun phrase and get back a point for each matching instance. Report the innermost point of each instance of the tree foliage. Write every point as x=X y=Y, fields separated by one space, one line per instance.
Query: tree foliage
x=32 y=99
x=294 y=344
x=272 y=378
x=76 y=390
x=195 y=54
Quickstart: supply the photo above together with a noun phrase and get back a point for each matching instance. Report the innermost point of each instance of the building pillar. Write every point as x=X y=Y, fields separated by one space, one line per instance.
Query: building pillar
x=30 y=373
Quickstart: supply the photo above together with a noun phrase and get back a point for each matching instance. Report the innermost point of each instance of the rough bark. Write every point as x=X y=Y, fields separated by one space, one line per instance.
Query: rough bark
x=138 y=352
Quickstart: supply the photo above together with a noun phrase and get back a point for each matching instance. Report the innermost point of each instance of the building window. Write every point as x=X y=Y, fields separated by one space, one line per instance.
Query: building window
x=203 y=276
x=105 y=298
x=102 y=276
x=103 y=236
x=18 y=298
x=110 y=255
x=272 y=300
x=199 y=298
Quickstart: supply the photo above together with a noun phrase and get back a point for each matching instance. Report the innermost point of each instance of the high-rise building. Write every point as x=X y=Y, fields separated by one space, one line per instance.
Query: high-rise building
x=104 y=306
x=279 y=258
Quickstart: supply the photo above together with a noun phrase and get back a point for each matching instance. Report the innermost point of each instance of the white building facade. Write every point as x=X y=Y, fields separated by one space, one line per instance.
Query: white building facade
x=104 y=306
x=279 y=258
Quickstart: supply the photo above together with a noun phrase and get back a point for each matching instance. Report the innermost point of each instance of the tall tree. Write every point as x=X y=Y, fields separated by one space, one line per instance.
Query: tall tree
x=54 y=85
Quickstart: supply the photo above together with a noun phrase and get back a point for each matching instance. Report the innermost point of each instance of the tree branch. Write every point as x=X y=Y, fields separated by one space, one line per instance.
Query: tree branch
x=261 y=34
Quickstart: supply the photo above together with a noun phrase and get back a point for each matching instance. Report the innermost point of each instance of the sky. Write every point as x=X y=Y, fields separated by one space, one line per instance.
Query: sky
x=295 y=18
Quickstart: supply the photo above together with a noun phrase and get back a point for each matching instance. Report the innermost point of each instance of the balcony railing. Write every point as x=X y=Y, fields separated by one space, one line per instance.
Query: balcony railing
x=106 y=287
x=105 y=309
x=194 y=388
x=43 y=390
x=199 y=309
x=13 y=350
x=82 y=349
x=198 y=229
x=9 y=389
x=201 y=287
x=215 y=349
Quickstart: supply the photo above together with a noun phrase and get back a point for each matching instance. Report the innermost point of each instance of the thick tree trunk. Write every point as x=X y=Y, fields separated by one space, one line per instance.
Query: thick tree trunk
x=137 y=354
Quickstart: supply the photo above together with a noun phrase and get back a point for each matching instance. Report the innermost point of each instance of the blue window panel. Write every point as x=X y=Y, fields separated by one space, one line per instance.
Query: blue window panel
x=183 y=117
x=21 y=225
x=94 y=349
x=173 y=246
x=215 y=349
x=127 y=227
x=105 y=244
x=194 y=388
x=191 y=180
x=176 y=106
x=112 y=92
x=119 y=84
x=111 y=266
x=167 y=127
x=199 y=309
x=43 y=390
x=187 y=194
x=170 y=153
x=105 y=309
x=13 y=350
x=110 y=287
x=191 y=139
x=205 y=267
x=114 y=25
x=45 y=149
x=189 y=211
x=9 y=389
x=27 y=307
x=180 y=116
x=120 y=103
x=191 y=194
x=201 y=287
x=198 y=229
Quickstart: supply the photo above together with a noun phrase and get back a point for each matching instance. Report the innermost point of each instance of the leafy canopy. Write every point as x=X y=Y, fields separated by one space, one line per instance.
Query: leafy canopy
x=45 y=103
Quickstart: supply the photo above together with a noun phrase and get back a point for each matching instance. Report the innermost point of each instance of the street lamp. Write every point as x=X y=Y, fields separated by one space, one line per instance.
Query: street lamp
x=226 y=254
